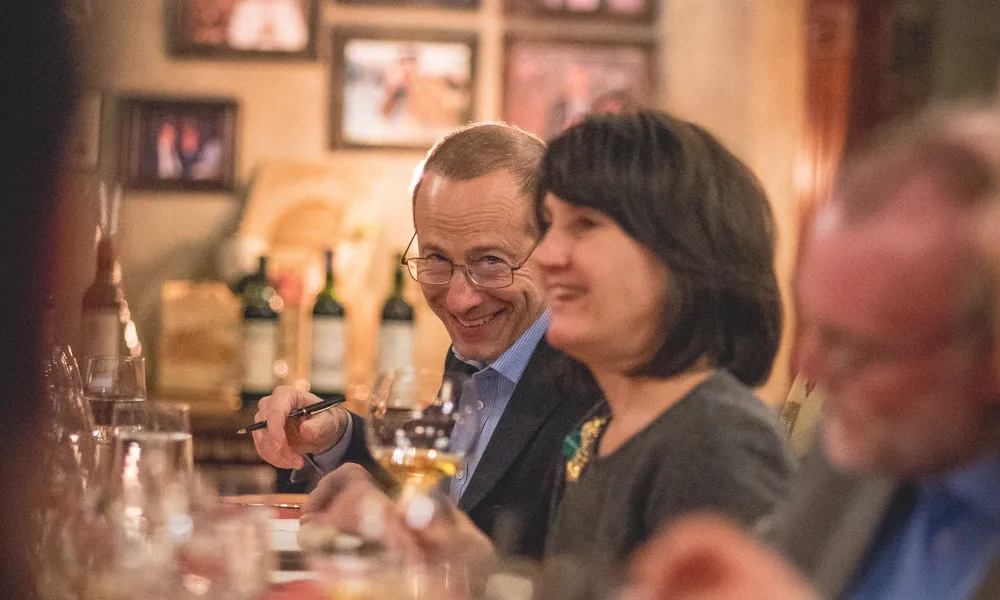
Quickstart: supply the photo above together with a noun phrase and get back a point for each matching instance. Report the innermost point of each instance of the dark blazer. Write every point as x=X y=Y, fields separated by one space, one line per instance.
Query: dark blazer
x=832 y=519
x=510 y=492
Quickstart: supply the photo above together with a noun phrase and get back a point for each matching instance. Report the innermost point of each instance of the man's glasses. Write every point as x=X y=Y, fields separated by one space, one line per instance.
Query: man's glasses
x=488 y=272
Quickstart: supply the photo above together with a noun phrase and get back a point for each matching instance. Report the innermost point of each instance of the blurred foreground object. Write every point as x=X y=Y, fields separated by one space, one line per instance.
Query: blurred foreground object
x=708 y=558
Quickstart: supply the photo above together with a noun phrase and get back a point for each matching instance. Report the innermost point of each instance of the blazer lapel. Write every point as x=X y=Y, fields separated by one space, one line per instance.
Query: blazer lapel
x=859 y=528
x=535 y=397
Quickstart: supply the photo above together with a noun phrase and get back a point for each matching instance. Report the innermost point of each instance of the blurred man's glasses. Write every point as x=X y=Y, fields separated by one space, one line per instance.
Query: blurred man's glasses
x=488 y=272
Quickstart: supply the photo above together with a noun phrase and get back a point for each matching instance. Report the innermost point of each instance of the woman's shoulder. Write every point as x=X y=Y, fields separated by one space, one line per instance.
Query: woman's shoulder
x=724 y=400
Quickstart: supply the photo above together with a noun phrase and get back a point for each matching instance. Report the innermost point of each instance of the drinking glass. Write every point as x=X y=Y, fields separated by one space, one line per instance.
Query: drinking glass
x=65 y=463
x=109 y=382
x=418 y=428
x=145 y=498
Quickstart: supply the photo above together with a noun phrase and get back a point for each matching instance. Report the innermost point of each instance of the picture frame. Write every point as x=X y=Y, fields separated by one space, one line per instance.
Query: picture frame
x=83 y=143
x=549 y=85
x=447 y=4
x=400 y=89
x=243 y=29
x=185 y=144
x=628 y=11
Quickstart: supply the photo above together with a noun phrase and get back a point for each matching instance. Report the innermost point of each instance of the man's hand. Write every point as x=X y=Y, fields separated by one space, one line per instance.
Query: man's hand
x=283 y=442
x=349 y=500
x=707 y=558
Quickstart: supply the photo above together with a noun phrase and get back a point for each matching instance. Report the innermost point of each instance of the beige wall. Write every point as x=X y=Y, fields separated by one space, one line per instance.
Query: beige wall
x=733 y=65
x=737 y=68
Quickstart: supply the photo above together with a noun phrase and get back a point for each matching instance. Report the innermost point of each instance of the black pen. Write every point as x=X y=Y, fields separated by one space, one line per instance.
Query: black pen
x=298 y=413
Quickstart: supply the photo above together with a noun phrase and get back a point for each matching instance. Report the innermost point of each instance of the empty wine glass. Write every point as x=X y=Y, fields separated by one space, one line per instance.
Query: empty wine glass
x=418 y=428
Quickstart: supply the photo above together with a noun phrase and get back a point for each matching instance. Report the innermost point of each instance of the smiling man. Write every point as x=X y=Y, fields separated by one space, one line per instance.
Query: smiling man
x=474 y=234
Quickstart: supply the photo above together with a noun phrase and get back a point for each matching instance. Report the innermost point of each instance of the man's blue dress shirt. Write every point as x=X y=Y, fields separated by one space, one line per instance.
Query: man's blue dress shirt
x=491 y=388
x=943 y=549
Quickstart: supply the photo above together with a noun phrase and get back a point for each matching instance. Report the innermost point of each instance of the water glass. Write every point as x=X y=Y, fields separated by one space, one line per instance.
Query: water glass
x=109 y=382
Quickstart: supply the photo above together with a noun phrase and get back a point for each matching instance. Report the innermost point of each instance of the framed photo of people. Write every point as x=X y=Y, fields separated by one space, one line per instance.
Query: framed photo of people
x=255 y=29
x=550 y=85
x=633 y=11
x=400 y=89
x=178 y=143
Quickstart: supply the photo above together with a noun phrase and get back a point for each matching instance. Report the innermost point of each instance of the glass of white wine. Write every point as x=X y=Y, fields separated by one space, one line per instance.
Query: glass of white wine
x=418 y=428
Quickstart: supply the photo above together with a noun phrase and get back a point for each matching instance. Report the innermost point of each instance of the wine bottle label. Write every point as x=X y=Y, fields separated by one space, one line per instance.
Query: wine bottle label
x=395 y=346
x=102 y=333
x=326 y=371
x=260 y=351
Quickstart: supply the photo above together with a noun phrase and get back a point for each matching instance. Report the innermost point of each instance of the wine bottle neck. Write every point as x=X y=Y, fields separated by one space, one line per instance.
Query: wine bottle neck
x=108 y=269
x=397 y=283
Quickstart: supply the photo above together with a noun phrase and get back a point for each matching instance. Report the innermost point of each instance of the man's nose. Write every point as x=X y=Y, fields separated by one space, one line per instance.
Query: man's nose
x=462 y=295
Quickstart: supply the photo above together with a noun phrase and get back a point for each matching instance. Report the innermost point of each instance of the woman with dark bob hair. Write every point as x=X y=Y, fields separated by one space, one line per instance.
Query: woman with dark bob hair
x=658 y=260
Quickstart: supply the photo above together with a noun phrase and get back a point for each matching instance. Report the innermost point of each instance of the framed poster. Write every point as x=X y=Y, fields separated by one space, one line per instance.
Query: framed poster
x=551 y=85
x=178 y=143
x=254 y=29
x=460 y=4
x=400 y=89
x=643 y=11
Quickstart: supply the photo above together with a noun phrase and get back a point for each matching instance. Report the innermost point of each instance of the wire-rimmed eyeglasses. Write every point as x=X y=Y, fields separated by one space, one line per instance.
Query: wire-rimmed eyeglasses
x=487 y=272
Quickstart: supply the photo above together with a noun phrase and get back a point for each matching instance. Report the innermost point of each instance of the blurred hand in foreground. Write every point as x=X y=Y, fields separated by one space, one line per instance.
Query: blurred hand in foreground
x=707 y=558
x=433 y=528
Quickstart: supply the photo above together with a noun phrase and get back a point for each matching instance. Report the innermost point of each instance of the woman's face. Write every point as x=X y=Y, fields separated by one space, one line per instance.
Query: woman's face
x=607 y=292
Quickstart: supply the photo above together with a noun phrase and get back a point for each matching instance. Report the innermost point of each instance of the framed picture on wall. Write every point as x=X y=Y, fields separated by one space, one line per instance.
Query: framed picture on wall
x=469 y=4
x=255 y=29
x=549 y=86
x=400 y=89
x=178 y=143
x=84 y=136
x=643 y=11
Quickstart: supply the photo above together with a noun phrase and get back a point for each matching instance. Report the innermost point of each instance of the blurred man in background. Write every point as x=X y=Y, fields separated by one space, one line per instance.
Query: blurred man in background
x=897 y=293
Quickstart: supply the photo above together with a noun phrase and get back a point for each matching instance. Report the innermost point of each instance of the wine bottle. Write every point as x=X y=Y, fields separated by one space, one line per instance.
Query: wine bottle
x=261 y=307
x=326 y=372
x=105 y=311
x=395 y=333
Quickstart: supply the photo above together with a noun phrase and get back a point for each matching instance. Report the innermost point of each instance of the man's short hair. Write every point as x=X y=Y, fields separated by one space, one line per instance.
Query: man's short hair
x=675 y=189
x=482 y=148
x=957 y=150
x=940 y=146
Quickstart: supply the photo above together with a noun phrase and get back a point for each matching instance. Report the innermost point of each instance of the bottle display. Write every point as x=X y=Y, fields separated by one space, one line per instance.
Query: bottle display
x=396 y=328
x=329 y=339
x=261 y=309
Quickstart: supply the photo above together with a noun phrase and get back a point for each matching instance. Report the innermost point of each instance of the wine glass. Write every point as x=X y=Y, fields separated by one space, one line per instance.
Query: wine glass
x=111 y=381
x=419 y=429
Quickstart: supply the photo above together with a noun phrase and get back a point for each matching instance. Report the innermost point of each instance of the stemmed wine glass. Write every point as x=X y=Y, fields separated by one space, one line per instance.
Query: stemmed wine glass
x=419 y=429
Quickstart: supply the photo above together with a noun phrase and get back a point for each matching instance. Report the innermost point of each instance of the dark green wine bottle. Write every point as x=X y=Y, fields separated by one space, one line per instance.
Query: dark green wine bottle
x=261 y=309
x=329 y=339
x=395 y=333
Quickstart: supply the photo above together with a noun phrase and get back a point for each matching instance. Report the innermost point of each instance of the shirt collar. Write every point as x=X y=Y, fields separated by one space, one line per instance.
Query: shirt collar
x=514 y=360
x=977 y=484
